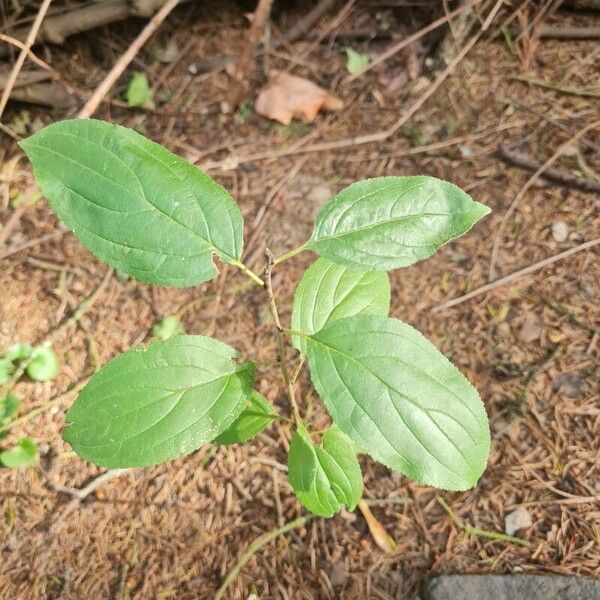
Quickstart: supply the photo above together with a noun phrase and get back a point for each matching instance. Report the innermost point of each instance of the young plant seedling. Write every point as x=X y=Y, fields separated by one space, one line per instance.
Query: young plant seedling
x=39 y=363
x=390 y=393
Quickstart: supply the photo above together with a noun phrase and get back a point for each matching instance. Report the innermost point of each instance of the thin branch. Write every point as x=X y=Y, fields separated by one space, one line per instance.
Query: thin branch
x=55 y=401
x=571 y=91
x=80 y=494
x=31 y=243
x=289 y=384
x=523 y=191
x=23 y=54
x=570 y=32
x=516 y=275
x=255 y=546
x=261 y=14
x=564 y=178
x=411 y=38
x=379 y=135
x=309 y=20
x=12 y=222
x=32 y=56
x=549 y=119
x=96 y=98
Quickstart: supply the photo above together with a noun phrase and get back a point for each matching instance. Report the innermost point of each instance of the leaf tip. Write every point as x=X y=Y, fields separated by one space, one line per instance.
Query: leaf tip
x=481 y=210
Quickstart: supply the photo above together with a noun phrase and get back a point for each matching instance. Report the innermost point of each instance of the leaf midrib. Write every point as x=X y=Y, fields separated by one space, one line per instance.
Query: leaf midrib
x=408 y=399
x=383 y=222
x=209 y=243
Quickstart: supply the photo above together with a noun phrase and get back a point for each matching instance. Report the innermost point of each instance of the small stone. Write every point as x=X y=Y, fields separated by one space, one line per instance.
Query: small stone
x=530 y=331
x=503 y=330
x=517 y=586
x=560 y=231
x=516 y=520
x=588 y=285
x=570 y=385
x=319 y=195
x=338 y=575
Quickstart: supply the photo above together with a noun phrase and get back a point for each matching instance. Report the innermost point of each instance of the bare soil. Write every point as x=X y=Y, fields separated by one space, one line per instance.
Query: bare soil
x=532 y=348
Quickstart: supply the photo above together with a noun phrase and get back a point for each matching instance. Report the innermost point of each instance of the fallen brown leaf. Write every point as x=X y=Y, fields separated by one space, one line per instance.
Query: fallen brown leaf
x=378 y=532
x=286 y=97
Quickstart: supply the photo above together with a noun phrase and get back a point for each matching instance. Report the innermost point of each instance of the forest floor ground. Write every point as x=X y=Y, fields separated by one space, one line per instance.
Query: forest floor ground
x=532 y=347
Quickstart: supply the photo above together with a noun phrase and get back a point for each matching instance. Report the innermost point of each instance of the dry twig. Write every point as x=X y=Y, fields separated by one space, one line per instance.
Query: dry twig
x=96 y=98
x=564 y=178
x=523 y=191
x=571 y=91
x=29 y=244
x=269 y=262
x=80 y=494
x=261 y=14
x=77 y=19
x=310 y=19
x=570 y=33
x=549 y=119
x=32 y=56
x=379 y=135
x=412 y=38
x=516 y=275
x=55 y=401
x=23 y=54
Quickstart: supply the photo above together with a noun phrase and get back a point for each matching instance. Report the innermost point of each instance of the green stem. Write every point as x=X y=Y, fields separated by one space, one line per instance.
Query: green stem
x=255 y=546
x=492 y=535
x=289 y=254
x=296 y=333
x=244 y=269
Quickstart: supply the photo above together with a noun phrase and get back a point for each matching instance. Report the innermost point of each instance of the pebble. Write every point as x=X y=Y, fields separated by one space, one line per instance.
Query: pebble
x=516 y=520
x=560 y=231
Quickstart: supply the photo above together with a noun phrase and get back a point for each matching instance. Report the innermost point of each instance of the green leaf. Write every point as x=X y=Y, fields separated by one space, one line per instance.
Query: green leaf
x=135 y=205
x=18 y=352
x=168 y=327
x=139 y=93
x=257 y=414
x=155 y=403
x=327 y=477
x=44 y=364
x=24 y=454
x=401 y=400
x=355 y=61
x=6 y=370
x=330 y=291
x=9 y=407
x=390 y=222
